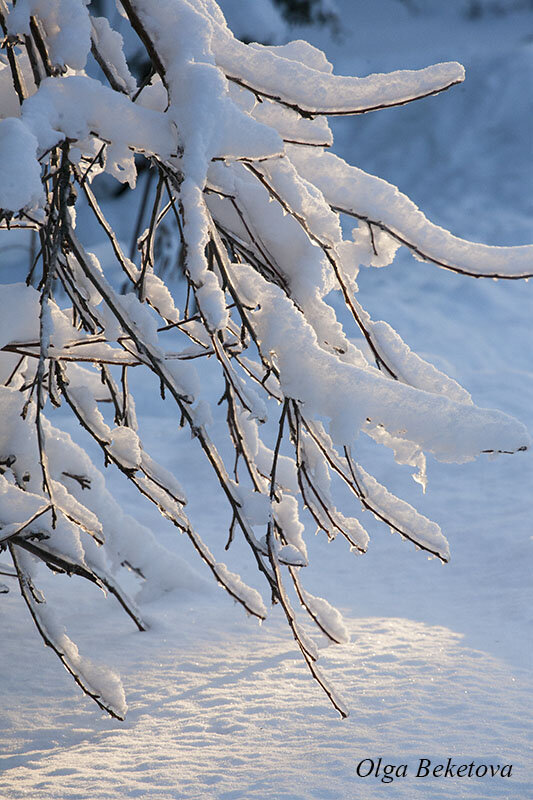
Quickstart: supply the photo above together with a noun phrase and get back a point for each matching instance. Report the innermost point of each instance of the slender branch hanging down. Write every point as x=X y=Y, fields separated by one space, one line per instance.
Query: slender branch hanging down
x=243 y=248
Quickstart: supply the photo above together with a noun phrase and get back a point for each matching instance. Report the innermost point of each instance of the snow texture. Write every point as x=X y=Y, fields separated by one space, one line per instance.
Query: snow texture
x=20 y=173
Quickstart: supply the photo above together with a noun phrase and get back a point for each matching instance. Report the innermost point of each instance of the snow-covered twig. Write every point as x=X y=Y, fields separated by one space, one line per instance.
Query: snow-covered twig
x=248 y=201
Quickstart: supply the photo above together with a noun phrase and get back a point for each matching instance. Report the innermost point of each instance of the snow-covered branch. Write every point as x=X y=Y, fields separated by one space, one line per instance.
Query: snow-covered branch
x=245 y=197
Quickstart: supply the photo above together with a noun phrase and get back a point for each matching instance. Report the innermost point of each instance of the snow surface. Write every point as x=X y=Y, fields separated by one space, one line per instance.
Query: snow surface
x=439 y=662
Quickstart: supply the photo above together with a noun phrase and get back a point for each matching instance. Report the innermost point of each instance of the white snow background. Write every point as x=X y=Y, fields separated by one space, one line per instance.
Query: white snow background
x=439 y=663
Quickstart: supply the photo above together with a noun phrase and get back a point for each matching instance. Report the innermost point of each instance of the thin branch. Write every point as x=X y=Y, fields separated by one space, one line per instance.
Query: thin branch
x=328 y=250
x=310 y=113
x=144 y=36
x=421 y=254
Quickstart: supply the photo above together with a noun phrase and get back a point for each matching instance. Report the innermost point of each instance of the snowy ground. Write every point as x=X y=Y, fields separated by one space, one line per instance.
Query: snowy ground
x=439 y=664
